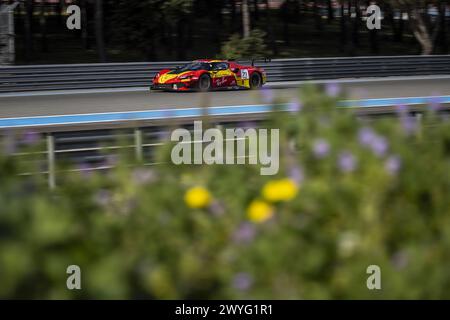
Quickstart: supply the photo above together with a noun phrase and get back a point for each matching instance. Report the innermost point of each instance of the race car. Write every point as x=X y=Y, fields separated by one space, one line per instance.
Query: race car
x=205 y=75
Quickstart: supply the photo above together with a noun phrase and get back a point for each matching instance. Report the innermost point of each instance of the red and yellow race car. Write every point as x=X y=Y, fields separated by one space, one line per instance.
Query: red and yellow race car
x=205 y=75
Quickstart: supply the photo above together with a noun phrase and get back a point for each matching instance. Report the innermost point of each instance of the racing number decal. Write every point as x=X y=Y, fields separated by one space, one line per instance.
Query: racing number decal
x=243 y=79
x=244 y=74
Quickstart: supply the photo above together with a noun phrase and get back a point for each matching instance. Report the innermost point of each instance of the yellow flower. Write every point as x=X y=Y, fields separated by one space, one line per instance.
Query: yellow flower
x=280 y=190
x=259 y=211
x=197 y=197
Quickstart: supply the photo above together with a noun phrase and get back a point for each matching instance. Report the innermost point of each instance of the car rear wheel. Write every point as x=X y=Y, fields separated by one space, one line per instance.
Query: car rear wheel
x=255 y=81
x=204 y=83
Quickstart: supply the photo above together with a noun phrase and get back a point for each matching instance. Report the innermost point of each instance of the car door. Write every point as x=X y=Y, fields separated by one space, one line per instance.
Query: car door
x=222 y=76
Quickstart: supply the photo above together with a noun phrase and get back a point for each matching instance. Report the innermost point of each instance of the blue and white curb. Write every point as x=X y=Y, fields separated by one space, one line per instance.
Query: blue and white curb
x=89 y=118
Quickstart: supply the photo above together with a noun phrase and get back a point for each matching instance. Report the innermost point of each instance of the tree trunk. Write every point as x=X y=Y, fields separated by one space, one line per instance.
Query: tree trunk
x=355 y=24
x=234 y=23
x=270 y=34
x=255 y=10
x=421 y=32
x=61 y=9
x=343 y=27
x=218 y=24
x=84 y=25
x=330 y=11
x=245 y=19
x=443 y=27
x=317 y=17
x=401 y=27
x=43 y=26
x=99 y=31
x=351 y=49
x=285 y=19
x=181 y=51
x=28 y=29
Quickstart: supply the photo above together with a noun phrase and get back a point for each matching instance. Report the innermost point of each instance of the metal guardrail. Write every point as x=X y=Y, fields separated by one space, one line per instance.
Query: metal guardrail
x=92 y=150
x=122 y=75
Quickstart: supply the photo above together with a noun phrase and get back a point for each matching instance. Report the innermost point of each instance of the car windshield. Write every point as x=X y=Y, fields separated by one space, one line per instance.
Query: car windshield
x=193 y=66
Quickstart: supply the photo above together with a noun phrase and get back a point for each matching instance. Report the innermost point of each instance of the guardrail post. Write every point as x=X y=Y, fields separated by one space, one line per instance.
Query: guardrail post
x=51 y=160
x=138 y=145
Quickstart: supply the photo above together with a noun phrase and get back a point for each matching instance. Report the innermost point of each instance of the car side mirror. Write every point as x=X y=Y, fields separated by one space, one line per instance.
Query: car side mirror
x=235 y=70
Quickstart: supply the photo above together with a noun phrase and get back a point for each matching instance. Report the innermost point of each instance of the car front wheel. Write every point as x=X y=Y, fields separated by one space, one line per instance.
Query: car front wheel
x=204 y=83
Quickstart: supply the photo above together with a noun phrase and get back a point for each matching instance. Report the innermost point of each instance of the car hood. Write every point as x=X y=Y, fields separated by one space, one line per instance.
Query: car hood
x=169 y=76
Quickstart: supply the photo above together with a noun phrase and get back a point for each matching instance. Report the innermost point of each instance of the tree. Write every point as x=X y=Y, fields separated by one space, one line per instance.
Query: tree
x=443 y=27
x=269 y=28
x=61 y=10
x=245 y=19
x=317 y=16
x=330 y=11
x=84 y=24
x=424 y=31
x=135 y=26
x=343 y=24
x=176 y=13
x=28 y=29
x=285 y=17
x=43 y=25
x=251 y=46
x=233 y=20
x=356 y=18
x=99 y=35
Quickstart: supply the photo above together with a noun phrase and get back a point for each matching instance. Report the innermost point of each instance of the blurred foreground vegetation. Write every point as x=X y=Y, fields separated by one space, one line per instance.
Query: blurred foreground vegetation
x=350 y=193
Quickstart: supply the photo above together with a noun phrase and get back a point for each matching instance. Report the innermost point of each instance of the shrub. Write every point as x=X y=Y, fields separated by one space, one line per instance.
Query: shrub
x=252 y=46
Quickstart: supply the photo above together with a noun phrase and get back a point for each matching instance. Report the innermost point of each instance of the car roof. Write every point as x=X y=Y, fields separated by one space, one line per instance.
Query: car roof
x=210 y=60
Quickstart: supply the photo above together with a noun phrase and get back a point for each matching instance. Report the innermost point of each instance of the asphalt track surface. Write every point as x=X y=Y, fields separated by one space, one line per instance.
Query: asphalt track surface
x=98 y=102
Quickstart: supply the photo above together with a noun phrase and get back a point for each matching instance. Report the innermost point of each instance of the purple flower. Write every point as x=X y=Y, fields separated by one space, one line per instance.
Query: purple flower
x=393 y=165
x=295 y=106
x=248 y=125
x=332 y=89
x=163 y=136
x=400 y=260
x=379 y=146
x=245 y=233
x=85 y=169
x=103 y=198
x=9 y=144
x=409 y=124
x=321 y=148
x=111 y=160
x=346 y=162
x=267 y=95
x=297 y=175
x=31 y=137
x=402 y=109
x=242 y=281
x=435 y=104
x=217 y=208
x=366 y=136
x=142 y=176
